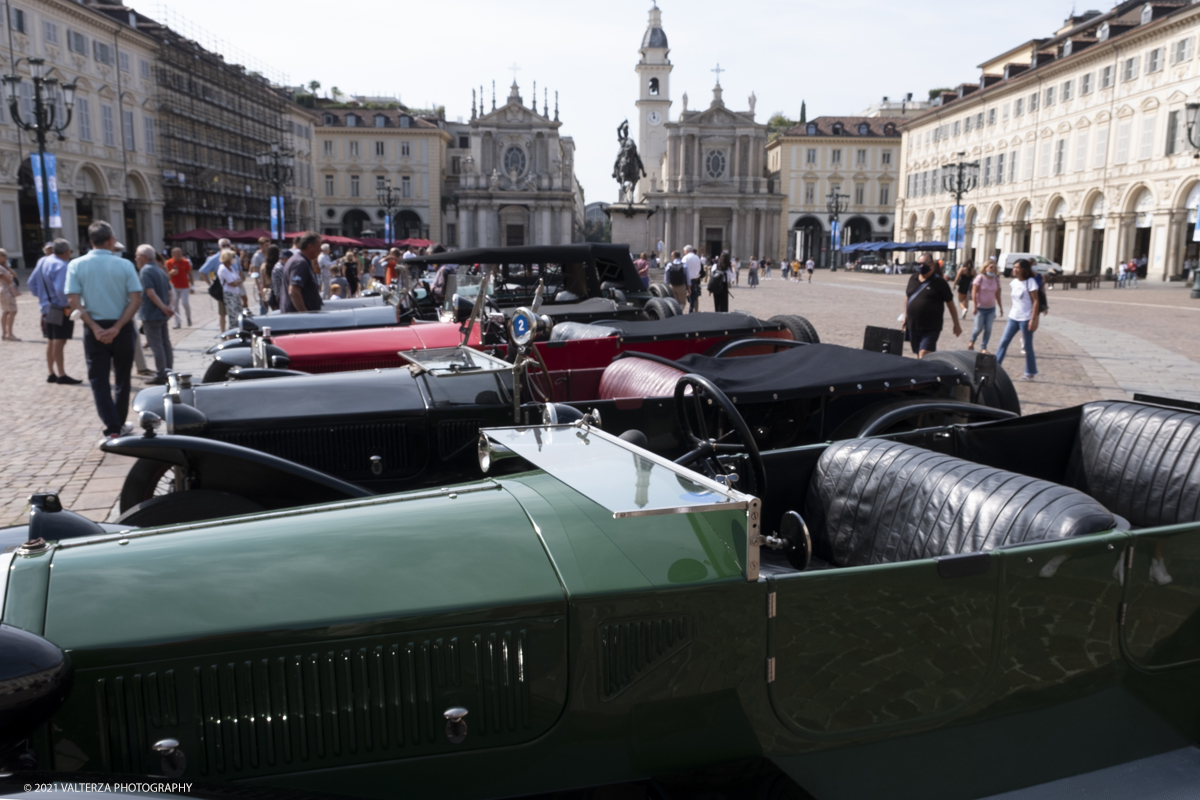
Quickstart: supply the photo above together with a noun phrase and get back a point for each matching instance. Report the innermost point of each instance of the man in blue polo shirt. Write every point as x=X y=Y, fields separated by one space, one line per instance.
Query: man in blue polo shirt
x=105 y=289
x=48 y=284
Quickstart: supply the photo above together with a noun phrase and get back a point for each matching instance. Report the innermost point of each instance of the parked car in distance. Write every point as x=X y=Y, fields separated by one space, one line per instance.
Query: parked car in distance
x=1041 y=264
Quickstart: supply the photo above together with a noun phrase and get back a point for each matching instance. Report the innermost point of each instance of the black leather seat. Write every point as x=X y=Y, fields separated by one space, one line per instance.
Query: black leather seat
x=1142 y=462
x=873 y=501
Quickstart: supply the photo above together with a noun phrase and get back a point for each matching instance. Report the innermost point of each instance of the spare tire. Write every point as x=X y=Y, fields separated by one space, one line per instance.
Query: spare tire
x=195 y=505
x=801 y=329
x=658 y=308
x=660 y=290
x=1000 y=395
x=674 y=304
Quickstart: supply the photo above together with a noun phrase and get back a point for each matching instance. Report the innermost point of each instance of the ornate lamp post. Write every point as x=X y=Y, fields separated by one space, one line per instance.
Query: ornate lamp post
x=276 y=166
x=1193 y=110
x=958 y=179
x=836 y=204
x=389 y=198
x=46 y=96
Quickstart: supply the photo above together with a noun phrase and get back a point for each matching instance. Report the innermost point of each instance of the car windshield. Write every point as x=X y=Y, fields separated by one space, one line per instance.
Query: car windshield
x=623 y=478
x=448 y=361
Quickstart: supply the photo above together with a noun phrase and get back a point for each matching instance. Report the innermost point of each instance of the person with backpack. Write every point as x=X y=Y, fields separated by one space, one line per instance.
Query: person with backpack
x=719 y=281
x=676 y=275
x=1024 y=309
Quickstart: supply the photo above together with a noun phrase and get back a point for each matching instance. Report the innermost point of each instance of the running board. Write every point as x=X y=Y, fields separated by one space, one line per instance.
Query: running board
x=1168 y=776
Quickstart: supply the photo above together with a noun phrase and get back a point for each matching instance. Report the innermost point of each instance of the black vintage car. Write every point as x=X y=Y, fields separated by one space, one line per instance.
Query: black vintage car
x=243 y=445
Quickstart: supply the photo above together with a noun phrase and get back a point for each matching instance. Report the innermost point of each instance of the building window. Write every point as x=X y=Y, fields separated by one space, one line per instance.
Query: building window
x=991 y=116
x=455 y=165
x=127 y=129
x=957 y=127
x=1029 y=163
x=1013 y=160
x=106 y=120
x=1049 y=100
x=102 y=52
x=77 y=43
x=144 y=69
x=148 y=135
x=1101 y=147
x=123 y=60
x=810 y=193
x=406 y=186
x=860 y=193
x=714 y=163
x=1147 y=13
x=1129 y=70
x=464 y=142
x=811 y=129
x=1122 y=154
x=810 y=157
x=405 y=122
x=379 y=148
x=1106 y=77
x=329 y=186
x=17 y=20
x=379 y=183
x=354 y=186
x=987 y=171
x=653 y=87
x=1004 y=115
x=1000 y=168
x=1033 y=102
x=1146 y=146
x=452 y=234
x=1019 y=108
x=50 y=32
x=1060 y=156
x=1081 y=143
x=405 y=150
x=1174 y=134
x=1068 y=90
x=885 y=192
x=83 y=113
x=1154 y=59
x=327 y=147
x=1181 y=51
x=380 y=121
x=351 y=121
x=885 y=157
x=860 y=158
x=1044 y=159
x=1085 y=84
x=836 y=157
x=353 y=148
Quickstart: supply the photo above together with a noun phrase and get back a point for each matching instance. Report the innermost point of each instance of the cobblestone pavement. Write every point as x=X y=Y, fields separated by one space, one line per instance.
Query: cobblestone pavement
x=1099 y=344
x=55 y=448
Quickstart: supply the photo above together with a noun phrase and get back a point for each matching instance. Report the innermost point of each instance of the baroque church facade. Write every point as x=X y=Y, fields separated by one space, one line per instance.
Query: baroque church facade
x=706 y=174
x=516 y=185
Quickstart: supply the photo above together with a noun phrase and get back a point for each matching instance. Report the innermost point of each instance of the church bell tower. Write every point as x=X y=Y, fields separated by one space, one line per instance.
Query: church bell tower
x=654 y=101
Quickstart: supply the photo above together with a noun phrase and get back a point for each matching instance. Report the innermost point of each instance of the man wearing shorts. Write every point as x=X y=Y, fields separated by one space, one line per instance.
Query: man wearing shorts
x=48 y=283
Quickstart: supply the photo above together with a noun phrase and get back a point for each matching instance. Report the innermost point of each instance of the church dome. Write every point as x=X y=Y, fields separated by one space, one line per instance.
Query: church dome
x=655 y=37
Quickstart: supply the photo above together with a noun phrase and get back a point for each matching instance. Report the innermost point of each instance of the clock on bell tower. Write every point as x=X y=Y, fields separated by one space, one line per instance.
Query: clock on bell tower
x=654 y=101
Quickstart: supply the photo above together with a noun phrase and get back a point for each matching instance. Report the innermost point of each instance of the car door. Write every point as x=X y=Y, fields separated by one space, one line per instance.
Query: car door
x=881 y=646
x=1160 y=625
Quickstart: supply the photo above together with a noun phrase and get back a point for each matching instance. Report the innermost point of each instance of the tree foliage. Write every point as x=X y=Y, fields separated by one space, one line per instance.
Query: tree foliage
x=935 y=93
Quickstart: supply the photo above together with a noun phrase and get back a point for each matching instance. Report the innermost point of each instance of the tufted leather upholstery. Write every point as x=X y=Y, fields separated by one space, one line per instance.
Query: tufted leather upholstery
x=874 y=501
x=638 y=377
x=1141 y=462
x=570 y=331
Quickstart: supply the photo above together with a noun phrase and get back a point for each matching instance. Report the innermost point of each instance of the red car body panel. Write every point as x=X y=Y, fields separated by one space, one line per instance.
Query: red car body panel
x=575 y=366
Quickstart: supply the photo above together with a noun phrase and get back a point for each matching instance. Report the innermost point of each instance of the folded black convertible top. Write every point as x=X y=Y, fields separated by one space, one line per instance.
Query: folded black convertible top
x=812 y=371
x=700 y=326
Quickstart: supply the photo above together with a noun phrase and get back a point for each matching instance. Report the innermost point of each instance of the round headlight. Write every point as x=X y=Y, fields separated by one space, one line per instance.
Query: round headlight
x=485 y=453
x=522 y=327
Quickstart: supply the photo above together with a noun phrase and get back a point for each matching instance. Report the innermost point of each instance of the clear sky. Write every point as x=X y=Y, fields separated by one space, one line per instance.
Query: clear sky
x=840 y=56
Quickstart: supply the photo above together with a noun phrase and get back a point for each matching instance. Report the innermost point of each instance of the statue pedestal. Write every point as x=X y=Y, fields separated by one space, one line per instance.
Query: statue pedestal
x=631 y=226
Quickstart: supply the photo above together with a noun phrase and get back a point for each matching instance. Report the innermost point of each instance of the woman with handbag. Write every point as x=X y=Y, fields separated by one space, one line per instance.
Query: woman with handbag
x=927 y=298
x=231 y=281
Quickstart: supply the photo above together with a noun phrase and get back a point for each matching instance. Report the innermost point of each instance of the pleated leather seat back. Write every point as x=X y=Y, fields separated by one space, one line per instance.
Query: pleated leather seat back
x=873 y=501
x=1141 y=462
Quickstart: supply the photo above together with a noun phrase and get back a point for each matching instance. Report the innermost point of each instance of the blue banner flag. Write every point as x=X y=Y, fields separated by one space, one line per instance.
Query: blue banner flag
x=835 y=235
x=49 y=190
x=387 y=230
x=957 y=239
x=274 y=217
x=282 y=222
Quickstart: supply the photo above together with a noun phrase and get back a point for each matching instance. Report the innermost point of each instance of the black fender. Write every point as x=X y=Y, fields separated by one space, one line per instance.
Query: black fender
x=210 y=464
x=236 y=356
x=35 y=679
x=228 y=344
x=258 y=373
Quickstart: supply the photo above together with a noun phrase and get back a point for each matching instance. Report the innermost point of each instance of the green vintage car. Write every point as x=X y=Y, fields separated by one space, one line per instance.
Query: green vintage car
x=944 y=613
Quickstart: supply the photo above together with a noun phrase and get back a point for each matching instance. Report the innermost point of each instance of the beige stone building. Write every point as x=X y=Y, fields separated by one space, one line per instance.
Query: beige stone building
x=358 y=151
x=108 y=160
x=1082 y=143
x=854 y=156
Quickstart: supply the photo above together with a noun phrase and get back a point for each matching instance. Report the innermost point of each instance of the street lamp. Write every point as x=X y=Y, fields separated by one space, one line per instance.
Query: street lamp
x=958 y=179
x=836 y=204
x=276 y=166
x=47 y=92
x=1192 y=111
x=389 y=198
